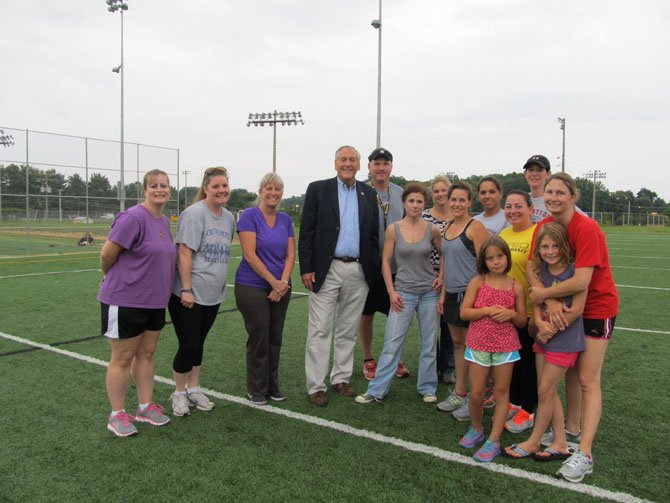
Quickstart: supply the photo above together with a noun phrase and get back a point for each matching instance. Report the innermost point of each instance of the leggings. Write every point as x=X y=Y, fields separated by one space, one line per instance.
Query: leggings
x=523 y=388
x=191 y=326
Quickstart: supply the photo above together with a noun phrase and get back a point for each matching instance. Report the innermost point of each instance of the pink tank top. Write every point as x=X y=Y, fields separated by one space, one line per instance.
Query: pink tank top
x=485 y=334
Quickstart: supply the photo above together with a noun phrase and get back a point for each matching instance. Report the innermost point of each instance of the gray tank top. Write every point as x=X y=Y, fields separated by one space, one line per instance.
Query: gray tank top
x=415 y=270
x=460 y=261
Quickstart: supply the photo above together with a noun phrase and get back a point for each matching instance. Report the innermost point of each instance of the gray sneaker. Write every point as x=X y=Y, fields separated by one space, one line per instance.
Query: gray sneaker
x=180 y=404
x=463 y=412
x=451 y=403
x=153 y=414
x=199 y=400
x=576 y=467
x=121 y=424
x=573 y=439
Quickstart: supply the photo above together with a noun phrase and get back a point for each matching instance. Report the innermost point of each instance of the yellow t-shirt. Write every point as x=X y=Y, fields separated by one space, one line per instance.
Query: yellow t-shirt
x=519 y=244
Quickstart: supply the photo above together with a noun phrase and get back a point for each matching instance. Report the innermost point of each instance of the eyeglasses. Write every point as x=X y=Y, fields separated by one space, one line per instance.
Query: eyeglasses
x=218 y=170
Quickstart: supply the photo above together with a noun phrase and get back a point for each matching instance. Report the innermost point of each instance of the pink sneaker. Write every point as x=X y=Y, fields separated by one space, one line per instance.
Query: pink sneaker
x=153 y=414
x=401 y=371
x=370 y=370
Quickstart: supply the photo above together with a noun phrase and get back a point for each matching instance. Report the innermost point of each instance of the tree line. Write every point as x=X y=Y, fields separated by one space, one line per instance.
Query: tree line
x=103 y=196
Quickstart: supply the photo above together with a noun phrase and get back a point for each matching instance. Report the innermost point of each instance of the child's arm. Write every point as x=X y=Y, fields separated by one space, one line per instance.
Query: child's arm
x=578 y=302
x=468 y=312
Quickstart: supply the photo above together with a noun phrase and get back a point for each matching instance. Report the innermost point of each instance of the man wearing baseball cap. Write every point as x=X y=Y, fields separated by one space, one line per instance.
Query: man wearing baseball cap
x=389 y=203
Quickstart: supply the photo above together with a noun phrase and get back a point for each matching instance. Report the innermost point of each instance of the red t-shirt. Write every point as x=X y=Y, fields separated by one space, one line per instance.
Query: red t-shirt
x=588 y=244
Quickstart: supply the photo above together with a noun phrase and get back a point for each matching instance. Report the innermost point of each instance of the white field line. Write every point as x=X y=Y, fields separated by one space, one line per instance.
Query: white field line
x=617 y=328
x=638 y=256
x=639 y=268
x=644 y=287
x=47 y=273
x=370 y=435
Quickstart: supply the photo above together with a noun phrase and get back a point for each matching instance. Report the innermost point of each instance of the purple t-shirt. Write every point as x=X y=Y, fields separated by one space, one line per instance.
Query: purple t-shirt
x=271 y=244
x=143 y=273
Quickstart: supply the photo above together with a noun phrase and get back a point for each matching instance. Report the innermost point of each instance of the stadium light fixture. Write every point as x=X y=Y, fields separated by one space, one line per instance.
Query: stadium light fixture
x=274 y=119
x=561 y=121
x=595 y=174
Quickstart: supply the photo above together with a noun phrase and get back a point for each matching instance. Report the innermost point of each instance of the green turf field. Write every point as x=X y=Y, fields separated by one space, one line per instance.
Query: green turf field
x=55 y=446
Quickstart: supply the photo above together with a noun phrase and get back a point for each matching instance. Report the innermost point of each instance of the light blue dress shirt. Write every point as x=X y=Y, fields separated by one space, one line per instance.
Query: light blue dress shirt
x=348 y=241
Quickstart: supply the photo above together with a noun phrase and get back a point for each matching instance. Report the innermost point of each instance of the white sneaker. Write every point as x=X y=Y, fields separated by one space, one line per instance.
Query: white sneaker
x=180 y=404
x=429 y=398
x=463 y=412
x=199 y=400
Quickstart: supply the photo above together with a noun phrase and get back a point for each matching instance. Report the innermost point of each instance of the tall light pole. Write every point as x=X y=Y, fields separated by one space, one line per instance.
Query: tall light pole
x=377 y=25
x=561 y=121
x=113 y=6
x=6 y=140
x=185 y=173
x=46 y=190
x=273 y=119
x=595 y=175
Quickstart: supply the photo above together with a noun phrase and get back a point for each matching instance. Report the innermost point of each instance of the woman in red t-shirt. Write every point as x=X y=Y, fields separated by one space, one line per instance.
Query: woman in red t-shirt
x=593 y=274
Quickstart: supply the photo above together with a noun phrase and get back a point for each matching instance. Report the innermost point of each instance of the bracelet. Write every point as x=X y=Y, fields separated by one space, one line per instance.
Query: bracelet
x=186 y=290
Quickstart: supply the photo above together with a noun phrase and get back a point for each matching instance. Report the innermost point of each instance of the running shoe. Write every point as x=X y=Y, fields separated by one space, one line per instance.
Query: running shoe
x=199 y=400
x=573 y=438
x=369 y=370
x=451 y=403
x=487 y=452
x=180 y=404
x=471 y=438
x=401 y=371
x=153 y=414
x=576 y=467
x=366 y=398
x=278 y=396
x=121 y=424
x=429 y=398
x=521 y=421
x=463 y=412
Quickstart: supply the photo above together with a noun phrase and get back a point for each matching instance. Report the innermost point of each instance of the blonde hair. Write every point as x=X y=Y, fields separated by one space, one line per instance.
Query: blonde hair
x=152 y=174
x=268 y=179
x=556 y=232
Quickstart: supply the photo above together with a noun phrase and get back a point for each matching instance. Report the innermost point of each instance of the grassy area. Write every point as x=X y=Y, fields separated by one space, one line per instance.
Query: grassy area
x=55 y=445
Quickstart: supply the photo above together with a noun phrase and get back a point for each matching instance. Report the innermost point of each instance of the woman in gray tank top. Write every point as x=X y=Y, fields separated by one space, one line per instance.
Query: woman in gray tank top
x=416 y=289
x=463 y=237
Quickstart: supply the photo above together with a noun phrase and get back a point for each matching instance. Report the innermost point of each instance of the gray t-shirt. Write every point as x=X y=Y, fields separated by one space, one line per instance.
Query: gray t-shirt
x=493 y=224
x=389 y=204
x=210 y=238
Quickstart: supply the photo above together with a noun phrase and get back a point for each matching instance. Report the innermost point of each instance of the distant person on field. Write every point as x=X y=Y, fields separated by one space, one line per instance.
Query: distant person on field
x=389 y=201
x=204 y=235
x=137 y=263
x=338 y=253
x=87 y=240
x=415 y=289
x=489 y=191
x=263 y=287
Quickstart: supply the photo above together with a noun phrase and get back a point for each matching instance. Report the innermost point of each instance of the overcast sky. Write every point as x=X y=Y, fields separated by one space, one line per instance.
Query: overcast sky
x=471 y=87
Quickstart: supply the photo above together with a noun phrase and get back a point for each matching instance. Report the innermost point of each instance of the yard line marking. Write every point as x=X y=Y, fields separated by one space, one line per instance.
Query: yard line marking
x=643 y=287
x=436 y=452
x=47 y=273
x=642 y=331
x=640 y=268
x=637 y=256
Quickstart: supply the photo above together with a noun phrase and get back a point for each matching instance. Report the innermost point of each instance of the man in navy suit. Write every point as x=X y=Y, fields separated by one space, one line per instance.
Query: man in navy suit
x=338 y=250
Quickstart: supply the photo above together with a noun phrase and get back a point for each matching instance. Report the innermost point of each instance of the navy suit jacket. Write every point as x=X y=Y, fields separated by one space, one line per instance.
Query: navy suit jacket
x=320 y=228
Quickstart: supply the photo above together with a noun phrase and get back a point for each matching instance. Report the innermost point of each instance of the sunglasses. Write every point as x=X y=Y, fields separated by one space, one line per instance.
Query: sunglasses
x=219 y=170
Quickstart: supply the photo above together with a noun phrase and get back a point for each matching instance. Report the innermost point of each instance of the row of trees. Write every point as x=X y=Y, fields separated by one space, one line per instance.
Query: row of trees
x=70 y=192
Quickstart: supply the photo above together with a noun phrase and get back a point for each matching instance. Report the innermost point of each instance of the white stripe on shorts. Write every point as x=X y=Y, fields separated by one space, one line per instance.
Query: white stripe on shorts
x=112 y=322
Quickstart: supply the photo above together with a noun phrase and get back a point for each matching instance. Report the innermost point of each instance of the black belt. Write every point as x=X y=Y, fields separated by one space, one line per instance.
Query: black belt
x=348 y=259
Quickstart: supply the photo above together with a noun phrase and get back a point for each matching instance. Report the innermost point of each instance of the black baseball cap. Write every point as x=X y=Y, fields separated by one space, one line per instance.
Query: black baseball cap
x=380 y=152
x=540 y=160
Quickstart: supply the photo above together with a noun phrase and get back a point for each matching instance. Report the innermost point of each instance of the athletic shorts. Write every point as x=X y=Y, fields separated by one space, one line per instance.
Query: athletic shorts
x=120 y=322
x=599 y=328
x=377 y=300
x=487 y=359
x=452 y=309
x=567 y=360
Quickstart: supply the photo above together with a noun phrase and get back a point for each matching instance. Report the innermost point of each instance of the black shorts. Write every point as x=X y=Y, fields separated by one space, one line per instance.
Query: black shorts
x=452 y=310
x=120 y=322
x=600 y=328
x=377 y=300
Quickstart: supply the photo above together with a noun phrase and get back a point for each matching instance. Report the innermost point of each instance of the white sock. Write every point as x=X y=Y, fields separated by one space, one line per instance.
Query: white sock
x=193 y=390
x=144 y=406
x=183 y=392
x=115 y=412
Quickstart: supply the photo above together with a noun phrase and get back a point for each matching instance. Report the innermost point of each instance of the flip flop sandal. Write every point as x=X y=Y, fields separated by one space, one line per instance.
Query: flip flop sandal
x=551 y=455
x=522 y=454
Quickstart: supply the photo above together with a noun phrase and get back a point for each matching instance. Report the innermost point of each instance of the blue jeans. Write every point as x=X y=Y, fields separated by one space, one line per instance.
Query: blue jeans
x=397 y=327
